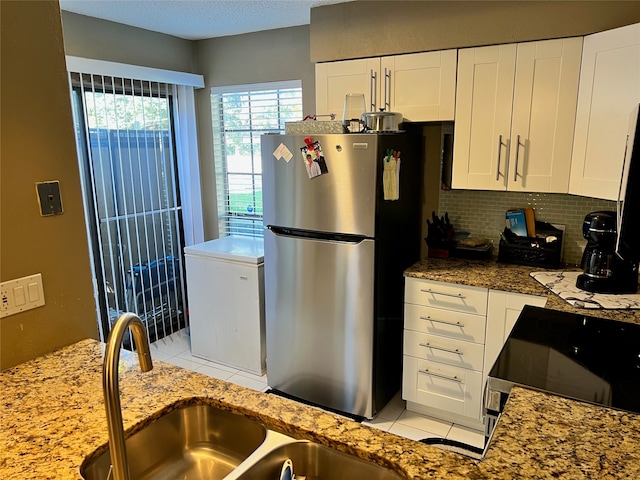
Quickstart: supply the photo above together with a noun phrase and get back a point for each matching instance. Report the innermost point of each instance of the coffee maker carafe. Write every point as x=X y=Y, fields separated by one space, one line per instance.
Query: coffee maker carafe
x=604 y=270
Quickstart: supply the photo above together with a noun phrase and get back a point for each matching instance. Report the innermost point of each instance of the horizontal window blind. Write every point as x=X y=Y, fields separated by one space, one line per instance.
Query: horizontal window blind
x=241 y=115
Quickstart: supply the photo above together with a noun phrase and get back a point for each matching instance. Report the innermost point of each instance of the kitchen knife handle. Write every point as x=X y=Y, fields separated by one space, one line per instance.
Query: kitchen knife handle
x=515 y=170
x=499 y=157
x=453 y=324
x=439 y=375
x=448 y=350
x=373 y=84
x=446 y=294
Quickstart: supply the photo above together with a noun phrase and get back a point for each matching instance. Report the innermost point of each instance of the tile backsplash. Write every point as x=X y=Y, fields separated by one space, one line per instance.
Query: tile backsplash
x=481 y=213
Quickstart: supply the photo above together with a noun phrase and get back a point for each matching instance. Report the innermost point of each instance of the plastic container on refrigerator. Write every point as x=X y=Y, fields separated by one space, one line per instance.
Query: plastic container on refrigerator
x=225 y=286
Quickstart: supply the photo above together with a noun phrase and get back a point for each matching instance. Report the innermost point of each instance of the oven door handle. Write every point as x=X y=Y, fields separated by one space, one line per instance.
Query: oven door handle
x=439 y=375
x=454 y=324
x=448 y=350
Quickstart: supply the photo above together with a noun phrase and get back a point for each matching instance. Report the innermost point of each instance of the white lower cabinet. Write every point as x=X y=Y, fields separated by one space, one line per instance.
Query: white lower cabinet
x=502 y=312
x=451 y=389
x=443 y=355
x=452 y=336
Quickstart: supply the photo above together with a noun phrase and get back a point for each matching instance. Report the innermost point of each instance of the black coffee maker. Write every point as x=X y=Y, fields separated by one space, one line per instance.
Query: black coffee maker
x=604 y=270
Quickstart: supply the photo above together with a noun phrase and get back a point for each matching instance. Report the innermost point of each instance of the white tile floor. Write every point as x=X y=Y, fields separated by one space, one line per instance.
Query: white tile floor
x=394 y=418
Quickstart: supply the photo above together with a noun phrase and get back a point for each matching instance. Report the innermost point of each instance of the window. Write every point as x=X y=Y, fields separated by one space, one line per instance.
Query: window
x=241 y=114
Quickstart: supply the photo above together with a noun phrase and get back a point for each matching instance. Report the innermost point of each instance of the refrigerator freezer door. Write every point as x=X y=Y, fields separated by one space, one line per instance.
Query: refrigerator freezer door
x=341 y=200
x=320 y=320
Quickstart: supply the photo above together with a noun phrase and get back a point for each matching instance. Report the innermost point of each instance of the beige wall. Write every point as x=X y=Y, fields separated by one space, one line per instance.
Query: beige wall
x=37 y=144
x=373 y=28
x=114 y=42
x=268 y=56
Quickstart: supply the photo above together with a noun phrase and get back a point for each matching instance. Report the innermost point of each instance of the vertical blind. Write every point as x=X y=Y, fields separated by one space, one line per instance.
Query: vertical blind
x=124 y=132
x=241 y=114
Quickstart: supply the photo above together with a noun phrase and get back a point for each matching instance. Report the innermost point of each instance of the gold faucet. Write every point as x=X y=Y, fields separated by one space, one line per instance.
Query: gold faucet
x=111 y=390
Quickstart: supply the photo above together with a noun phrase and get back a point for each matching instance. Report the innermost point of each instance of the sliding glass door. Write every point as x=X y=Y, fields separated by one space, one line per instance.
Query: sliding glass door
x=125 y=135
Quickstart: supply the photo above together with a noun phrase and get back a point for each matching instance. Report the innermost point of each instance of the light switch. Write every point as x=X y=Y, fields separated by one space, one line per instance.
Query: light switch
x=18 y=296
x=34 y=292
x=21 y=294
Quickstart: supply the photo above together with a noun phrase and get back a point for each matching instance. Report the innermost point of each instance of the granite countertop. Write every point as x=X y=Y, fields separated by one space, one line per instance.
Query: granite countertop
x=52 y=416
x=507 y=278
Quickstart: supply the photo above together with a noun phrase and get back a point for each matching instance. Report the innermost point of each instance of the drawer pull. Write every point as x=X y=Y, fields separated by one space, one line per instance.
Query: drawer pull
x=455 y=324
x=446 y=294
x=456 y=351
x=446 y=377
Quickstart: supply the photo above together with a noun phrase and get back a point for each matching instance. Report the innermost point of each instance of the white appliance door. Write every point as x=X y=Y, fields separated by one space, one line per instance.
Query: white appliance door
x=319 y=320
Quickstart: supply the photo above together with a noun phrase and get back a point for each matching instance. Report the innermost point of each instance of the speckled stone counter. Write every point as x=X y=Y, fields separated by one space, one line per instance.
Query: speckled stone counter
x=52 y=416
x=507 y=278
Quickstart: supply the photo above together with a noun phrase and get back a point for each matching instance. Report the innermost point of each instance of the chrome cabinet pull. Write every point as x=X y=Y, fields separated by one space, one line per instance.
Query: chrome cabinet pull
x=448 y=350
x=446 y=377
x=515 y=170
x=454 y=324
x=373 y=83
x=387 y=75
x=500 y=144
x=446 y=294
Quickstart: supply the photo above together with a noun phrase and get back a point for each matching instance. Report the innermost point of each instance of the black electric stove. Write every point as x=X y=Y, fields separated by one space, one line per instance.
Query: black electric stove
x=576 y=356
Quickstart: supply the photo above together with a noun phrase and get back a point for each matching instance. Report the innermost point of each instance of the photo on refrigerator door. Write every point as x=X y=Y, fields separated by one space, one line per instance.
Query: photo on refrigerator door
x=314 y=160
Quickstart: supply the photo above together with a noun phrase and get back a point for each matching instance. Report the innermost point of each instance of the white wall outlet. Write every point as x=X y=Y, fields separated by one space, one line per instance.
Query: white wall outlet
x=21 y=294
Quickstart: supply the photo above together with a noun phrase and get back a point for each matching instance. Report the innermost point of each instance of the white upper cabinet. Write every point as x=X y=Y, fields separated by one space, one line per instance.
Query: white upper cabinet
x=609 y=90
x=335 y=79
x=515 y=116
x=420 y=86
x=483 y=117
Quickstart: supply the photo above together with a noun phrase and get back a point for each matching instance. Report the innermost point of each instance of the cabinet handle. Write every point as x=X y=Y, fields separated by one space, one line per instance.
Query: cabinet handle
x=448 y=350
x=387 y=75
x=373 y=84
x=435 y=292
x=500 y=144
x=515 y=170
x=455 y=324
x=446 y=377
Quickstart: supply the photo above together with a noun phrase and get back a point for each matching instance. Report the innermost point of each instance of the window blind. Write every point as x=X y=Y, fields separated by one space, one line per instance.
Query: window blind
x=240 y=116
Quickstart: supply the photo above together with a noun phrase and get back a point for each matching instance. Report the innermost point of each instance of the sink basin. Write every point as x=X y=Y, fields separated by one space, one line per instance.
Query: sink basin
x=192 y=442
x=316 y=462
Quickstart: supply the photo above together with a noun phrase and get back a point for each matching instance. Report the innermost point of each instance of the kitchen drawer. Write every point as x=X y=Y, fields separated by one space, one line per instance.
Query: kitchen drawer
x=444 y=350
x=448 y=388
x=448 y=296
x=461 y=326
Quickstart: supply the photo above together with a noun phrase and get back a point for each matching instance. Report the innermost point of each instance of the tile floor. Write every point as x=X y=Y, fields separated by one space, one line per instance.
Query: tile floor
x=394 y=418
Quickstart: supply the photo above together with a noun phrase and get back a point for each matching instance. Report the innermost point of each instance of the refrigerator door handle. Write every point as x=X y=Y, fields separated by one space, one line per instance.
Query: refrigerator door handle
x=326 y=236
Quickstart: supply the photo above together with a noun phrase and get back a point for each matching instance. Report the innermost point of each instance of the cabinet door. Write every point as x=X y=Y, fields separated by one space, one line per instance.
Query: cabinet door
x=609 y=89
x=502 y=312
x=484 y=99
x=226 y=313
x=421 y=86
x=448 y=388
x=544 y=109
x=335 y=79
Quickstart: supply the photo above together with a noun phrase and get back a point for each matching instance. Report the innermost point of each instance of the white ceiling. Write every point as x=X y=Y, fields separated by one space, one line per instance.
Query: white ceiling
x=199 y=19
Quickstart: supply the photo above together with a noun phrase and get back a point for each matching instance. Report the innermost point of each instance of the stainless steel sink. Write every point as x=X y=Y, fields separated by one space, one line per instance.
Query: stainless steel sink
x=316 y=462
x=198 y=441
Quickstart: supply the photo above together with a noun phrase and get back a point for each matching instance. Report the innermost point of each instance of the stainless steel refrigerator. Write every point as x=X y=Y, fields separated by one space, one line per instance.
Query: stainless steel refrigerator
x=335 y=252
